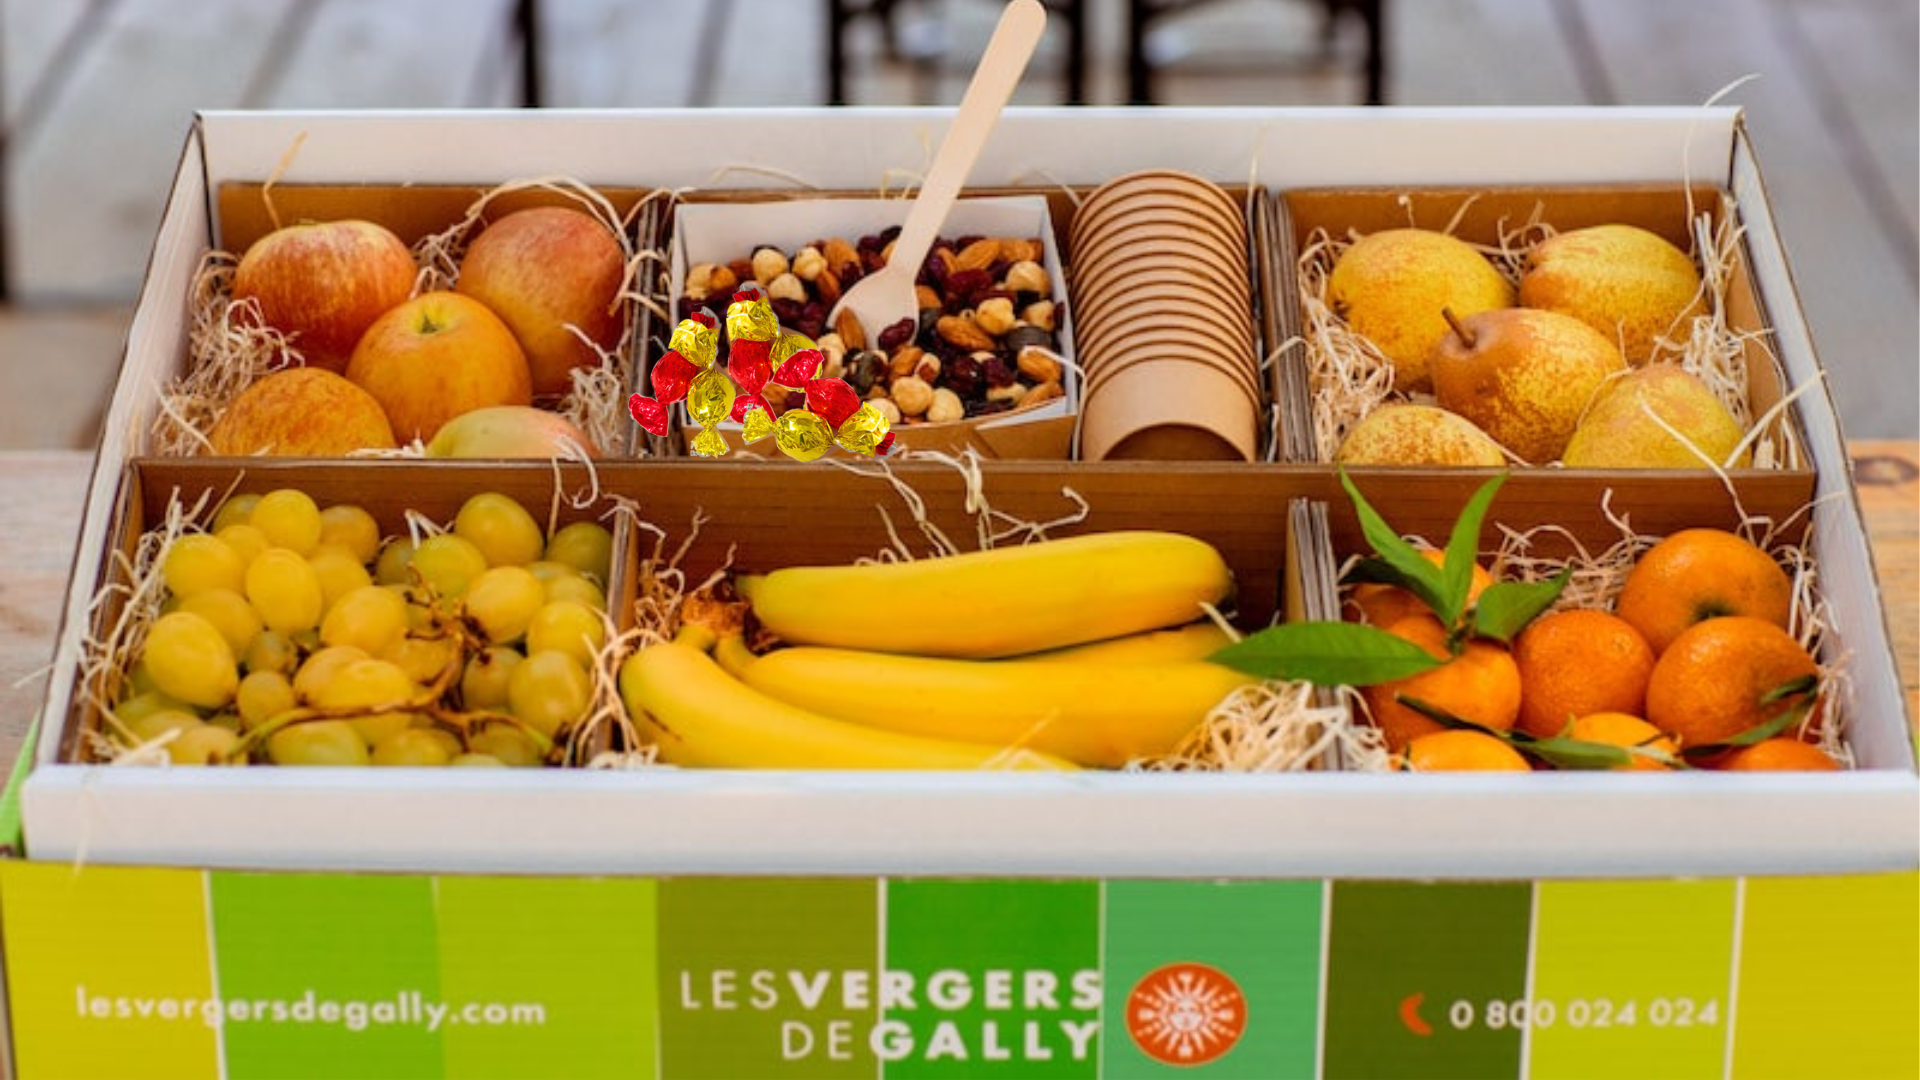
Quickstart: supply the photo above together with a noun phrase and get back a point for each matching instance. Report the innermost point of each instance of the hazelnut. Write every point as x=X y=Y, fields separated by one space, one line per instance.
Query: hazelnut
x=1028 y=276
x=786 y=287
x=700 y=281
x=1011 y=393
x=768 y=263
x=928 y=369
x=808 y=262
x=995 y=316
x=915 y=396
x=946 y=406
x=1038 y=314
x=888 y=410
x=1038 y=365
x=831 y=346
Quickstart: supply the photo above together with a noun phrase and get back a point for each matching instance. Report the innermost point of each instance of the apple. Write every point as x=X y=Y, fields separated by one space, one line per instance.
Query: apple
x=544 y=270
x=301 y=412
x=509 y=431
x=436 y=356
x=323 y=283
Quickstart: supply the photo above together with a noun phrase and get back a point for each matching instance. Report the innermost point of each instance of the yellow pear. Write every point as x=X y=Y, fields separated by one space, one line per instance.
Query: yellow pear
x=1624 y=281
x=1408 y=434
x=1390 y=285
x=1524 y=376
x=1627 y=426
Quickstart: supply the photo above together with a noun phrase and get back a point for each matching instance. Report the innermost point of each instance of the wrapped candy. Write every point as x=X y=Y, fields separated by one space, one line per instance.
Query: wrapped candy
x=792 y=367
x=745 y=404
x=696 y=339
x=751 y=330
x=885 y=447
x=757 y=425
x=801 y=435
x=862 y=432
x=833 y=400
x=672 y=375
x=709 y=401
x=648 y=413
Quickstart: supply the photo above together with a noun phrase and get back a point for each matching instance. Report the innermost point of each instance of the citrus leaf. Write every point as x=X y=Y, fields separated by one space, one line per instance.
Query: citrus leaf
x=1565 y=753
x=1445 y=718
x=1761 y=732
x=1506 y=607
x=1326 y=654
x=1463 y=548
x=1419 y=576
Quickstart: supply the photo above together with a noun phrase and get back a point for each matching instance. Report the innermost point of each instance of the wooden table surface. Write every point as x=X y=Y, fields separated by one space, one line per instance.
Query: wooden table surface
x=44 y=492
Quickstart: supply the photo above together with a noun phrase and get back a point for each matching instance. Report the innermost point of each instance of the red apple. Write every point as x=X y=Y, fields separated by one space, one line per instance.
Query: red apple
x=436 y=356
x=545 y=269
x=323 y=283
x=301 y=412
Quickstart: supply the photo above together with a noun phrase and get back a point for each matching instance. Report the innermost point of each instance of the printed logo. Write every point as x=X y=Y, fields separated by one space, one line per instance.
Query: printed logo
x=1186 y=1014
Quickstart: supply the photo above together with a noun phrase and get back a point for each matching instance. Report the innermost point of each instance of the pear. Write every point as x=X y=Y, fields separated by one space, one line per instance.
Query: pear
x=1389 y=287
x=1624 y=281
x=1409 y=434
x=1524 y=376
x=1621 y=431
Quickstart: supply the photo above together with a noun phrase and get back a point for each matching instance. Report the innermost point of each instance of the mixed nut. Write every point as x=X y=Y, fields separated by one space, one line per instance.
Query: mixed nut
x=986 y=340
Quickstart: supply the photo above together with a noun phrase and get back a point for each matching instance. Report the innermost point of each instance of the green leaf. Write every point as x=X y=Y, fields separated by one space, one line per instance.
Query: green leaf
x=1565 y=753
x=1326 y=654
x=1445 y=718
x=1417 y=575
x=1506 y=607
x=1463 y=548
x=1761 y=732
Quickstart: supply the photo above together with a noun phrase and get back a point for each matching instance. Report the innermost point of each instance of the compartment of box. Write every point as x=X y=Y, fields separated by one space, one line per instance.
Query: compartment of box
x=401 y=496
x=1314 y=223
x=245 y=211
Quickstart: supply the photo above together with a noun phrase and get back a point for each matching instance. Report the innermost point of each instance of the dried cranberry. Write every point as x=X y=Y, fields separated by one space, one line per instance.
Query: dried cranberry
x=935 y=270
x=869 y=242
x=997 y=373
x=969 y=283
x=812 y=320
x=898 y=334
x=889 y=234
x=871 y=259
x=963 y=376
x=787 y=311
x=966 y=242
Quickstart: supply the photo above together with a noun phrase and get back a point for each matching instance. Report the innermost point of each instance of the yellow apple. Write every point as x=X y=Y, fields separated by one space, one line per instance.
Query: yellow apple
x=509 y=431
x=1524 y=377
x=544 y=270
x=323 y=283
x=1391 y=285
x=301 y=412
x=437 y=356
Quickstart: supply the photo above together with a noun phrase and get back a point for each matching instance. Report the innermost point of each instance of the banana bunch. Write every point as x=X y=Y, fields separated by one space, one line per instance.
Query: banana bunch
x=1053 y=655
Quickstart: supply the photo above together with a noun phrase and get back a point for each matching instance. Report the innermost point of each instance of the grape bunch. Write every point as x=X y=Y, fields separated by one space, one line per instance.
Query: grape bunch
x=296 y=635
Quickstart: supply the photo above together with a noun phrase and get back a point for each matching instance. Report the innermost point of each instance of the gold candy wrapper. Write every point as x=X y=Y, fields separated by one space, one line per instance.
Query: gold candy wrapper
x=750 y=318
x=862 y=432
x=802 y=436
x=709 y=401
x=696 y=340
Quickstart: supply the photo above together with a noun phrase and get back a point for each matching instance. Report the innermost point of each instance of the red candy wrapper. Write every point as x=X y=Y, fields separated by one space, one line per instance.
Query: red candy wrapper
x=747 y=363
x=797 y=369
x=746 y=403
x=672 y=374
x=648 y=413
x=885 y=446
x=832 y=400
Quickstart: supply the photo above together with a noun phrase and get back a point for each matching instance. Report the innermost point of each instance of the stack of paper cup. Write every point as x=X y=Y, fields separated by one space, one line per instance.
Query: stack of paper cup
x=1163 y=322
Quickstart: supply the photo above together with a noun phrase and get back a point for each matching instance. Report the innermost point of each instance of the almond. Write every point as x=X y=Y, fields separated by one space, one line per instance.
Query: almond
x=978 y=255
x=847 y=325
x=962 y=332
x=1038 y=364
x=1045 y=391
x=840 y=255
x=924 y=297
x=827 y=284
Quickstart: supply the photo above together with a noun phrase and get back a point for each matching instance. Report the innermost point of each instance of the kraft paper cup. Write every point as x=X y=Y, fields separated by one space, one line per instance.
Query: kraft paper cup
x=1163 y=348
x=1156 y=410
x=1164 y=303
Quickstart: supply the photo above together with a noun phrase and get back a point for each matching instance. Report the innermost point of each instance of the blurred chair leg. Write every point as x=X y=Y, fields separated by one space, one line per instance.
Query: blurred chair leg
x=1139 y=72
x=526 y=24
x=1077 y=47
x=1373 y=14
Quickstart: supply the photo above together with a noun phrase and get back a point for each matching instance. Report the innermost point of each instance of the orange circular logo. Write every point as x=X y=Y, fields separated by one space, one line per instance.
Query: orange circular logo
x=1186 y=1014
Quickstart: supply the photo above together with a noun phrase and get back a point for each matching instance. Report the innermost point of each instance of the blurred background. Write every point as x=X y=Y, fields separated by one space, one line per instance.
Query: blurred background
x=97 y=96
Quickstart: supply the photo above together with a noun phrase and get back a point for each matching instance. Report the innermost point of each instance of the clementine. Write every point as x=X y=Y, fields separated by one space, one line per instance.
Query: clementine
x=1481 y=684
x=1712 y=682
x=1459 y=750
x=1698 y=574
x=1625 y=729
x=1781 y=753
x=1576 y=662
x=1383 y=605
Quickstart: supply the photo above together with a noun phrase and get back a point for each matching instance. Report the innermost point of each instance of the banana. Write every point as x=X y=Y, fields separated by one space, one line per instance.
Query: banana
x=1194 y=641
x=1000 y=602
x=699 y=715
x=1093 y=714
